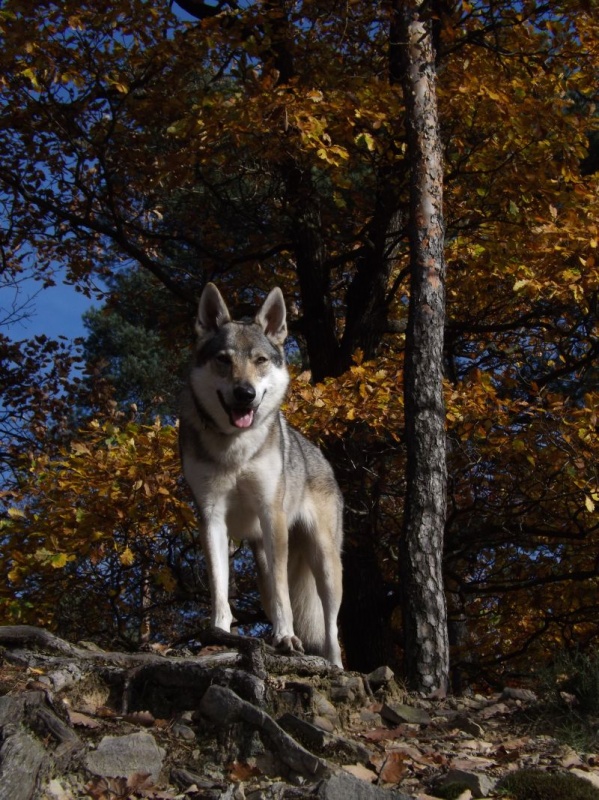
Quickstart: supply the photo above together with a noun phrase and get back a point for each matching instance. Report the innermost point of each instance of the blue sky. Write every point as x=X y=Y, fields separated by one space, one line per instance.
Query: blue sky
x=56 y=311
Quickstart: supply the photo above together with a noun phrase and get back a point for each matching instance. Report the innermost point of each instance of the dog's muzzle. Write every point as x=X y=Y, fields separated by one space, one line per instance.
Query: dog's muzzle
x=241 y=412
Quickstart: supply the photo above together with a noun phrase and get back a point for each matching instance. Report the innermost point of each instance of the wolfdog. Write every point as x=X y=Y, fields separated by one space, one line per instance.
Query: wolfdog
x=254 y=477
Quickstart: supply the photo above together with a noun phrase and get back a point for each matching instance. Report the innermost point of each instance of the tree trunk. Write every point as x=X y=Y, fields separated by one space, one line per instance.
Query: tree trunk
x=424 y=605
x=366 y=319
x=314 y=282
x=145 y=627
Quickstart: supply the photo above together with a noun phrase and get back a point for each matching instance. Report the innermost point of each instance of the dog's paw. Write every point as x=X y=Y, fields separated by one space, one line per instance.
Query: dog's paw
x=288 y=644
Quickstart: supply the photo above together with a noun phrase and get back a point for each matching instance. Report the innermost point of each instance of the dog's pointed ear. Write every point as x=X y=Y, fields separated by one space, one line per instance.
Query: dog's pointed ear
x=212 y=310
x=272 y=317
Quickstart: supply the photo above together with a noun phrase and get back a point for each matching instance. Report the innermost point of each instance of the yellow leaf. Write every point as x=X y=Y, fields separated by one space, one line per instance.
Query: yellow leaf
x=127 y=558
x=16 y=513
x=119 y=86
x=14 y=576
x=590 y=506
x=30 y=75
x=365 y=140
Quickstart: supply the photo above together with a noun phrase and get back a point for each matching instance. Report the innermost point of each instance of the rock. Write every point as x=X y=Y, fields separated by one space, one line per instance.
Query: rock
x=184 y=731
x=380 y=676
x=56 y=791
x=223 y=707
x=494 y=710
x=569 y=758
x=324 y=723
x=276 y=791
x=344 y=786
x=348 y=687
x=326 y=743
x=64 y=677
x=370 y=717
x=591 y=777
x=395 y=713
x=469 y=726
x=342 y=694
x=22 y=759
x=236 y=749
x=33 y=740
x=185 y=778
x=122 y=756
x=309 y=734
x=323 y=707
x=91 y=646
x=480 y=785
x=513 y=693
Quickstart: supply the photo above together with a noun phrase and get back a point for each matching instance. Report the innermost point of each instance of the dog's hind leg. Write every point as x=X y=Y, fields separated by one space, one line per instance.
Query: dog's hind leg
x=316 y=589
x=324 y=558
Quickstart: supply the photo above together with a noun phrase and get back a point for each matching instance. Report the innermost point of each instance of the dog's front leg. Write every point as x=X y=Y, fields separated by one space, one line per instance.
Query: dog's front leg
x=276 y=545
x=215 y=544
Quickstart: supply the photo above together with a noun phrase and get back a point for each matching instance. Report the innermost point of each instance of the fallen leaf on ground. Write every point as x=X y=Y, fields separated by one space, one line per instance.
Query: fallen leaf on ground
x=77 y=718
x=394 y=767
x=239 y=771
x=140 y=718
x=358 y=771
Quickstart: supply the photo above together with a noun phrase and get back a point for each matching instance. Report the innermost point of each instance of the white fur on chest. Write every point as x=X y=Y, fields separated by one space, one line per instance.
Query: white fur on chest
x=238 y=487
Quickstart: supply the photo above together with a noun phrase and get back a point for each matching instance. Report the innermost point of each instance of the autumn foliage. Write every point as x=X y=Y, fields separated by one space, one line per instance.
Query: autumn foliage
x=263 y=144
x=102 y=526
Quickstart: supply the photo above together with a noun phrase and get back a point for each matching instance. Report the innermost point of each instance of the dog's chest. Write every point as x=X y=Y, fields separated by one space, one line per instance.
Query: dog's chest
x=241 y=484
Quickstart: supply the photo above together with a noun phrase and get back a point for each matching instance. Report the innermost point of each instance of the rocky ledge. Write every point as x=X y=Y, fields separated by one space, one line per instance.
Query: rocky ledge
x=238 y=721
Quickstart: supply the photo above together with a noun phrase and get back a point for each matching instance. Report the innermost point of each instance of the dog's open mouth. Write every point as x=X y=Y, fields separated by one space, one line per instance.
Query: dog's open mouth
x=241 y=416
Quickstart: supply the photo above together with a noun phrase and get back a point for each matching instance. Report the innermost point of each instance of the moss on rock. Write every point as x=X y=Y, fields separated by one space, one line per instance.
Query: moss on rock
x=536 y=784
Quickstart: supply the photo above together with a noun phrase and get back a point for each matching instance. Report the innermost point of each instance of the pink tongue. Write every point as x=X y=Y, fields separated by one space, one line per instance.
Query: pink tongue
x=242 y=419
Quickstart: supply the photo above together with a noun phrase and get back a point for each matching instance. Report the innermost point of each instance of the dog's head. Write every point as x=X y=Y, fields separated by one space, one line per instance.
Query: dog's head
x=239 y=375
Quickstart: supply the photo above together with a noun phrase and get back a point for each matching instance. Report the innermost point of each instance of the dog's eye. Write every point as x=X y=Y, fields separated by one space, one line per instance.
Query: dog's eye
x=223 y=358
x=261 y=360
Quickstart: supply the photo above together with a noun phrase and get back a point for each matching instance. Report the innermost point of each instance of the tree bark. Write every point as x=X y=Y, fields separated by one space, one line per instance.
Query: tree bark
x=314 y=279
x=424 y=604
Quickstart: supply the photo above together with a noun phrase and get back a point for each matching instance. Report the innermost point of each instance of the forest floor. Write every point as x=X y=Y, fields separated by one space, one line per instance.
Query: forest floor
x=76 y=722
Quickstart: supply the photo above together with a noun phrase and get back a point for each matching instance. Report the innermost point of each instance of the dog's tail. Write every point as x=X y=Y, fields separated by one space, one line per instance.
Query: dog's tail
x=308 y=615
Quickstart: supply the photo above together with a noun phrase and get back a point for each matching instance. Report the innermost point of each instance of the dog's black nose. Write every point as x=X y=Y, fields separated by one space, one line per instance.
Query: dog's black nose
x=244 y=393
